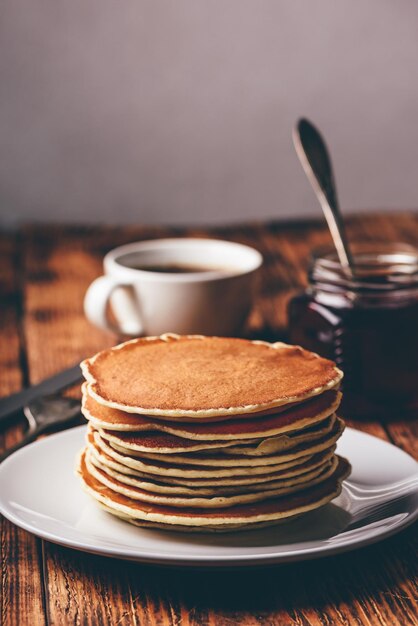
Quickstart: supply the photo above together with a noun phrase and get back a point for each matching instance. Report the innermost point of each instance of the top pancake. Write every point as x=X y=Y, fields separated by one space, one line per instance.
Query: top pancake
x=192 y=377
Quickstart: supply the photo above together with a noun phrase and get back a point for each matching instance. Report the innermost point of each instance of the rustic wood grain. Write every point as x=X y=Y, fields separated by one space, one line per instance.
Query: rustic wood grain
x=21 y=587
x=374 y=586
x=58 y=267
x=377 y=585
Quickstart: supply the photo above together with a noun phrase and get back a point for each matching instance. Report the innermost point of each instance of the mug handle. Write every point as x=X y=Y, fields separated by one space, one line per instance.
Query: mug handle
x=96 y=303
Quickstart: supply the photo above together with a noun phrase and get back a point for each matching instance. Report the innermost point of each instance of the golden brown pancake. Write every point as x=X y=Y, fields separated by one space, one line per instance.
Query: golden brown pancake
x=160 y=442
x=191 y=529
x=114 y=462
x=161 y=468
x=234 y=460
x=164 y=443
x=202 y=475
x=128 y=421
x=155 y=486
x=197 y=500
x=285 y=441
x=268 y=510
x=300 y=416
x=194 y=377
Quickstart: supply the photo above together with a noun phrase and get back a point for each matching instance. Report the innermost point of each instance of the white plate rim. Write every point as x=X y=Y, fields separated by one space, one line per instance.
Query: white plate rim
x=319 y=551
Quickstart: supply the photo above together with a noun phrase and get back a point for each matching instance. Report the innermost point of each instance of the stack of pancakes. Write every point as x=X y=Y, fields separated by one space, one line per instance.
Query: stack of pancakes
x=209 y=433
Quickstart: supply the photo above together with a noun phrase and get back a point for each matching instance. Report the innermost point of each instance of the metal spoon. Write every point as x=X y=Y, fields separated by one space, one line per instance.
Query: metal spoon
x=313 y=154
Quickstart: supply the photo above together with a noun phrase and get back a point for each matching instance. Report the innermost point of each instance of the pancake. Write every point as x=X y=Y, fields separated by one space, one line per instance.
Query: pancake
x=214 y=501
x=266 y=511
x=117 y=419
x=298 y=417
x=196 y=377
x=162 y=468
x=234 y=460
x=155 y=486
x=308 y=465
x=162 y=443
x=192 y=529
x=203 y=476
x=281 y=442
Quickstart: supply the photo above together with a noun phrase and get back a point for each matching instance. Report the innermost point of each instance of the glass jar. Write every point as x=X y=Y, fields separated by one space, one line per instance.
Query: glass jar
x=367 y=323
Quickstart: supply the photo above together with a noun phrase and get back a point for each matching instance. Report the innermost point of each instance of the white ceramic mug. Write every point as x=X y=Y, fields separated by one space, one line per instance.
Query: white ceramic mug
x=211 y=302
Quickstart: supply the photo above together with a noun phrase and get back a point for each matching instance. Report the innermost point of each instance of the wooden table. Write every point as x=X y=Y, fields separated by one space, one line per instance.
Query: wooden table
x=44 y=273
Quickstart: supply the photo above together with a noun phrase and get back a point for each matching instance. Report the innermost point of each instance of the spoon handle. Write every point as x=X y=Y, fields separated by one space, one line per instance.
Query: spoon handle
x=314 y=157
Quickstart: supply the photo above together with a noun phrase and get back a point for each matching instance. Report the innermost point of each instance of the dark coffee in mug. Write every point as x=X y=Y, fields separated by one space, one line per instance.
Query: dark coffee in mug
x=180 y=268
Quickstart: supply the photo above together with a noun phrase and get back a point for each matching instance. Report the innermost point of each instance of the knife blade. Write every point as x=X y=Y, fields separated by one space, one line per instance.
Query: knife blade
x=16 y=401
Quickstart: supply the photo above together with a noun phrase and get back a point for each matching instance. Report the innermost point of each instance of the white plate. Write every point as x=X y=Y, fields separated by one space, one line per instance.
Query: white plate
x=40 y=493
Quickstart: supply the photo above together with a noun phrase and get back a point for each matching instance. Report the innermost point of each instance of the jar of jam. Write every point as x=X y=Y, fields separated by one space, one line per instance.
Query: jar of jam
x=367 y=323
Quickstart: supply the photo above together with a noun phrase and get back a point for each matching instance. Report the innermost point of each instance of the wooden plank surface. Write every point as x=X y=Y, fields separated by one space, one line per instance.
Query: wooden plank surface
x=44 y=275
x=21 y=593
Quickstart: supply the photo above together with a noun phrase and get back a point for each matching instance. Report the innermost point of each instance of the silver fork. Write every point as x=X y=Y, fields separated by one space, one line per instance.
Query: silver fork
x=368 y=506
x=43 y=414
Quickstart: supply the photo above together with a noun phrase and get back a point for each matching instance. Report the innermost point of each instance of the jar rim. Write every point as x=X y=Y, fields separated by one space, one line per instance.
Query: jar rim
x=379 y=267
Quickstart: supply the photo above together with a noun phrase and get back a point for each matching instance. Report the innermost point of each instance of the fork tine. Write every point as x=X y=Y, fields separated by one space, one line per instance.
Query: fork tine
x=377 y=511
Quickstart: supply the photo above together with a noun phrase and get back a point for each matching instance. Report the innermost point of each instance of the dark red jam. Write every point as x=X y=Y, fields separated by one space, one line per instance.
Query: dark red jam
x=368 y=324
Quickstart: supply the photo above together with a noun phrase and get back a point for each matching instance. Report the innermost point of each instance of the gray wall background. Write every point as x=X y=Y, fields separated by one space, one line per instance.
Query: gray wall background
x=181 y=110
